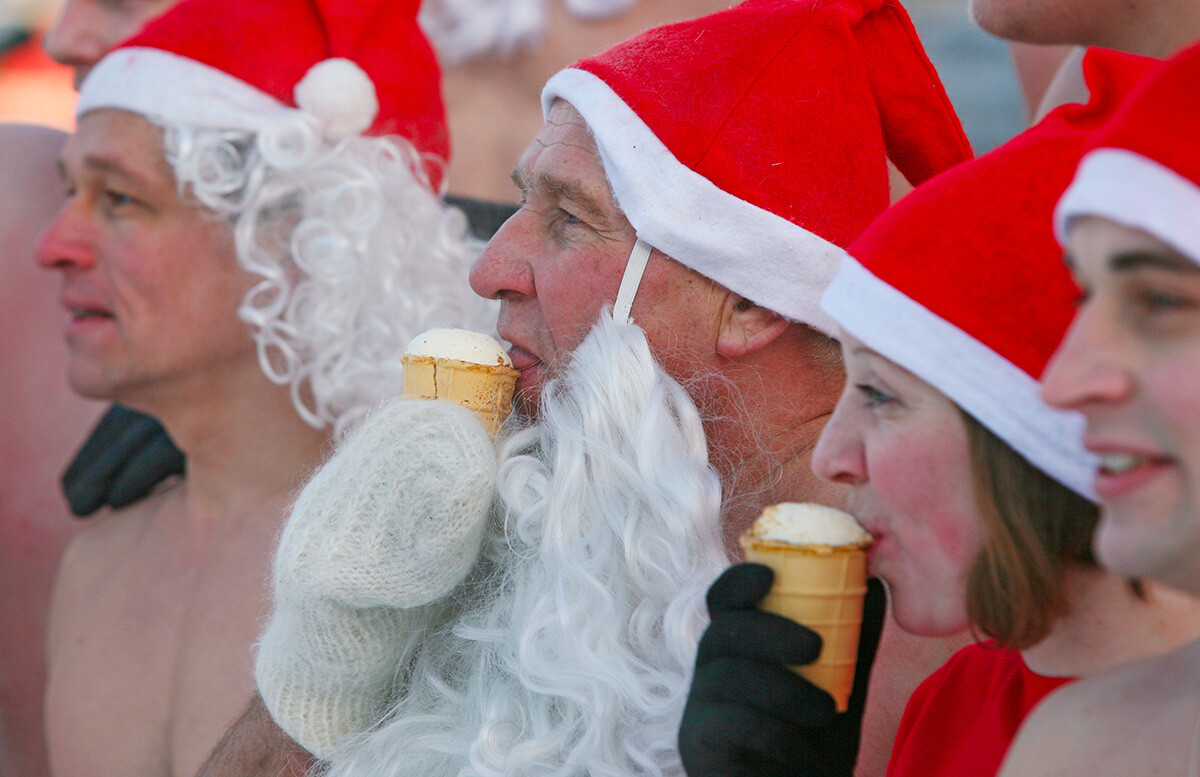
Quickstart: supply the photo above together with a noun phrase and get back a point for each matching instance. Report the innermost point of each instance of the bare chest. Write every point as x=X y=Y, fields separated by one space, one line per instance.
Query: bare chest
x=151 y=659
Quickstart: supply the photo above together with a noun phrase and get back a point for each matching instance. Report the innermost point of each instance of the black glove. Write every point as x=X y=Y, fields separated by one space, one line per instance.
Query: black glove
x=747 y=713
x=126 y=456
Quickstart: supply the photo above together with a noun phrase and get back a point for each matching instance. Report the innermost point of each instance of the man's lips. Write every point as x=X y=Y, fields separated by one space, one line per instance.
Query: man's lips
x=1124 y=469
x=78 y=313
x=85 y=314
x=522 y=360
x=82 y=308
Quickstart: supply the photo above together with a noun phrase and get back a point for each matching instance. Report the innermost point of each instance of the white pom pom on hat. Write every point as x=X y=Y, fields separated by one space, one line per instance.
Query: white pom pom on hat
x=340 y=95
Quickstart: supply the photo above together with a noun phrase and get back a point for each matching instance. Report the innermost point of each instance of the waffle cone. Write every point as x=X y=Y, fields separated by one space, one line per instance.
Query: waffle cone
x=821 y=587
x=485 y=390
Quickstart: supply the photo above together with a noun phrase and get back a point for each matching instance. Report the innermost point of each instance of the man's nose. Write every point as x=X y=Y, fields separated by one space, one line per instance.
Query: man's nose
x=77 y=38
x=1087 y=367
x=63 y=244
x=506 y=265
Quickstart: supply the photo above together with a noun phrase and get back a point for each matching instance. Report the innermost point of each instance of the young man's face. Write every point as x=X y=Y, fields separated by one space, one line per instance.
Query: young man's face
x=150 y=281
x=1131 y=364
x=561 y=257
x=86 y=29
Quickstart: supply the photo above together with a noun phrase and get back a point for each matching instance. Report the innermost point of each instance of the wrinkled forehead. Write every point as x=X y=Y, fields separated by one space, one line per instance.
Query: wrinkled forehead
x=118 y=139
x=564 y=159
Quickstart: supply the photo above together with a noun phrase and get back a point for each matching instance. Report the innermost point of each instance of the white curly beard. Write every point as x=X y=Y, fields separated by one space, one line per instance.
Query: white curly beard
x=570 y=650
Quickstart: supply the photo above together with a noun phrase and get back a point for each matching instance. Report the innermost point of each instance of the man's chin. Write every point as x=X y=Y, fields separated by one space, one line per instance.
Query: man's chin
x=528 y=397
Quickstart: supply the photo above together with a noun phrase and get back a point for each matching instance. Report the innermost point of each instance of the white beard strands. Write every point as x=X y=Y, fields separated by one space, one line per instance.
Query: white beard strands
x=572 y=648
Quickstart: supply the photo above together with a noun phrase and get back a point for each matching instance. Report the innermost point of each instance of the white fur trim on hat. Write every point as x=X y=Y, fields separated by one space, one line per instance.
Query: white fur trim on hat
x=748 y=250
x=993 y=390
x=159 y=84
x=1138 y=192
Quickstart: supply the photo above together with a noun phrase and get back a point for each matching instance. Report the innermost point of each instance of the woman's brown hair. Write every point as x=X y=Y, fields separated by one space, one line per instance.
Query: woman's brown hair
x=1033 y=529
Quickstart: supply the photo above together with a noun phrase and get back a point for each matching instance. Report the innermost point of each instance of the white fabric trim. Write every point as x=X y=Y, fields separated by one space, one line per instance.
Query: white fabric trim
x=159 y=84
x=1138 y=192
x=630 y=280
x=993 y=390
x=746 y=249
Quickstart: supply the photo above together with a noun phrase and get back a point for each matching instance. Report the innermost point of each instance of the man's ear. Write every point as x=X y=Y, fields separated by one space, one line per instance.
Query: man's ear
x=746 y=327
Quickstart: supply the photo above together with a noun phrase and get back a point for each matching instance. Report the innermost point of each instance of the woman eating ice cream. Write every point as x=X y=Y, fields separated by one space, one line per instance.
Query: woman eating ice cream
x=976 y=492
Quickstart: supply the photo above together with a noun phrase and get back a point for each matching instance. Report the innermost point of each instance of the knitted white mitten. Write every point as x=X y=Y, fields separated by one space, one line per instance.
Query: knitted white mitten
x=393 y=521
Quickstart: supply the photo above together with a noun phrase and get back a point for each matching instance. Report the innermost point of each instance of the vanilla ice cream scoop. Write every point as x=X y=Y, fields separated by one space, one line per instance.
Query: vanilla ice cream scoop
x=819 y=558
x=808 y=524
x=461 y=344
x=464 y=367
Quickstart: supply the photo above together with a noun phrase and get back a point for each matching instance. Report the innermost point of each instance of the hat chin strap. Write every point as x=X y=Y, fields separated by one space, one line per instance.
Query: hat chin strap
x=630 y=281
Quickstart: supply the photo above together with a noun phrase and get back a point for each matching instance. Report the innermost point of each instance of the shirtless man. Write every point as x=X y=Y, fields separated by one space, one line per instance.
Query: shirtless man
x=1131 y=364
x=43 y=420
x=215 y=275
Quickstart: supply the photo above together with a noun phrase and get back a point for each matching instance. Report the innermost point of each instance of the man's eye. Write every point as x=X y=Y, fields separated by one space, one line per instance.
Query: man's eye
x=116 y=199
x=872 y=397
x=1163 y=302
x=571 y=218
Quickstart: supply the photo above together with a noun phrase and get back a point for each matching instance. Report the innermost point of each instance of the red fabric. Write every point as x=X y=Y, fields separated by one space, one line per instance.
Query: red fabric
x=961 y=720
x=271 y=44
x=975 y=246
x=1159 y=119
x=792 y=123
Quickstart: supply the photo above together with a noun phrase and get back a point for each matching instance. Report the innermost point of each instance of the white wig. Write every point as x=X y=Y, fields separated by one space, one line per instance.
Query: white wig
x=356 y=254
x=570 y=649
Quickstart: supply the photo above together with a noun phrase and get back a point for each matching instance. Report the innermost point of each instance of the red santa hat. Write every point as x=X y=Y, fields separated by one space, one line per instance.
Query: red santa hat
x=1142 y=169
x=962 y=283
x=751 y=144
x=351 y=66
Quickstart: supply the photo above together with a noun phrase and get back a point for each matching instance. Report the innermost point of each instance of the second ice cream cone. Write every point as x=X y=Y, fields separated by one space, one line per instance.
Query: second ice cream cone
x=819 y=558
x=822 y=588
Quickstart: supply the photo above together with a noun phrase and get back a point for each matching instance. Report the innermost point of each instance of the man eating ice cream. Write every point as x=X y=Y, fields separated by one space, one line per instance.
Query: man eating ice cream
x=570 y=642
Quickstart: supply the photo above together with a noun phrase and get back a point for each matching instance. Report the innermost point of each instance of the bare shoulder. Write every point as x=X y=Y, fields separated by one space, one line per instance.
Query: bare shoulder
x=114 y=533
x=104 y=550
x=1138 y=719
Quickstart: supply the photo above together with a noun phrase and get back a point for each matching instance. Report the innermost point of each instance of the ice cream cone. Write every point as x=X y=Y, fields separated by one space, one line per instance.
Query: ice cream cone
x=820 y=587
x=486 y=390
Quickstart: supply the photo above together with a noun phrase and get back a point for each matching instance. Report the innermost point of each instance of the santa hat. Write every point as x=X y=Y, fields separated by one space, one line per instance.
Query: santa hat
x=962 y=283
x=352 y=66
x=751 y=144
x=1142 y=169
